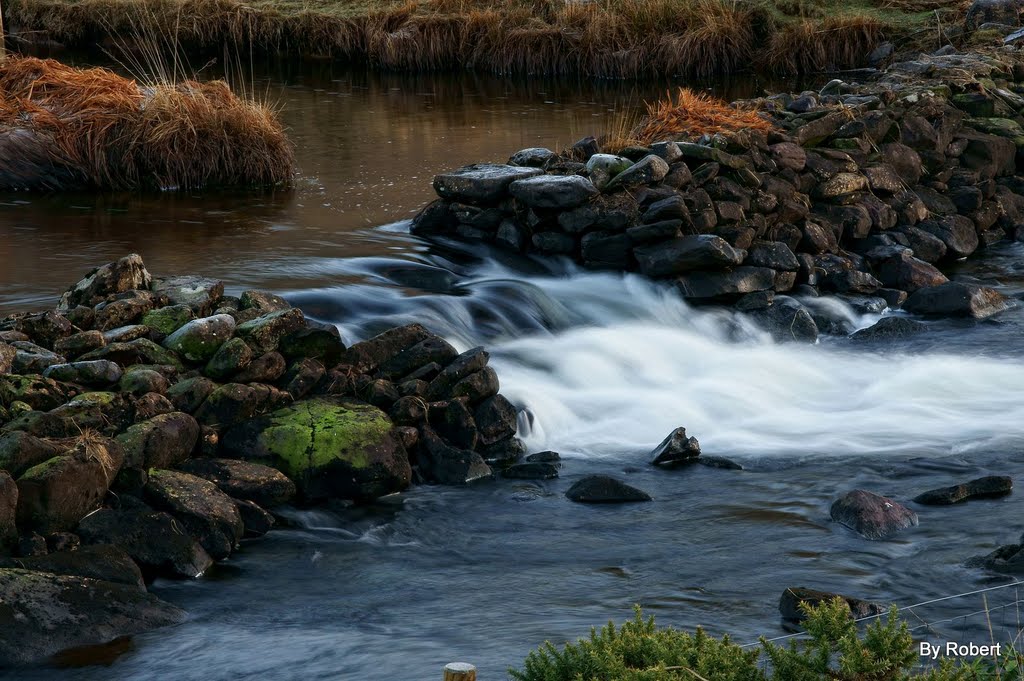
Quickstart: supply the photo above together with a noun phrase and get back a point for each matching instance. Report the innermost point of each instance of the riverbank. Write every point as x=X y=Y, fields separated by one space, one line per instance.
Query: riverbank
x=615 y=39
x=862 y=189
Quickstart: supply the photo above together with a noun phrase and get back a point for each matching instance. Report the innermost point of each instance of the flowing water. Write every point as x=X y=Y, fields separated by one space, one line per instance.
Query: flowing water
x=603 y=367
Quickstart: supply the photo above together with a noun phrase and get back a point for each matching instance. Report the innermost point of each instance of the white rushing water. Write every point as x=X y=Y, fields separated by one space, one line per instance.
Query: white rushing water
x=634 y=361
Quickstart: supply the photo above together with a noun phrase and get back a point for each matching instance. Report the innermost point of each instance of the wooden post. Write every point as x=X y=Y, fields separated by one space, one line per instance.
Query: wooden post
x=459 y=671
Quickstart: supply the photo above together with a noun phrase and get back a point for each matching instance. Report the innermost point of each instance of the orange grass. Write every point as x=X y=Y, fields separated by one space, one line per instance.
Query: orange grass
x=600 y=38
x=691 y=114
x=90 y=128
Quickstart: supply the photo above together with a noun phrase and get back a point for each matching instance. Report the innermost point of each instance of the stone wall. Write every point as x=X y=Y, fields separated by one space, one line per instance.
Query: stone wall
x=861 y=190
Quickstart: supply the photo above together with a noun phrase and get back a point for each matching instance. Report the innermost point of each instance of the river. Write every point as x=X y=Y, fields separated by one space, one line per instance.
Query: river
x=603 y=365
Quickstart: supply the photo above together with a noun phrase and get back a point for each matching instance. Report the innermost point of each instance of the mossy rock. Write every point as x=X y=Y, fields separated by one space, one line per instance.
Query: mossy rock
x=331 y=448
x=1001 y=127
x=198 y=340
x=167 y=320
x=32 y=389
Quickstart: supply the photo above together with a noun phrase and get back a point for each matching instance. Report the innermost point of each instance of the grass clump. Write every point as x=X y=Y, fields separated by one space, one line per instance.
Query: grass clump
x=834 y=649
x=690 y=114
x=67 y=128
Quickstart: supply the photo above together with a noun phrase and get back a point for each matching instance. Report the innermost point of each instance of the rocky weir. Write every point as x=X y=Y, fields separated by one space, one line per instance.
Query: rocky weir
x=865 y=191
x=148 y=425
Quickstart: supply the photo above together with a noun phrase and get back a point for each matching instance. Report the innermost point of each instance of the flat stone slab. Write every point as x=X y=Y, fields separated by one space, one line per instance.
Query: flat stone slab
x=989 y=487
x=481 y=182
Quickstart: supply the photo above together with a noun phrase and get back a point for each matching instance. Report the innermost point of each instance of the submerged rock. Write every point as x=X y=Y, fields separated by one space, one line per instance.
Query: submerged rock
x=789 y=604
x=44 y=614
x=604 y=489
x=531 y=470
x=983 y=488
x=955 y=299
x=872 y=516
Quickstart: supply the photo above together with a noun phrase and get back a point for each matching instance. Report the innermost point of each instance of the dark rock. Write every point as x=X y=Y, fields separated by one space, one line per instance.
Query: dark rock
x=495 y=419
x=553 y=243
x=54 y=495
x=8 y=511
x=206 y=513
x=789 y=604
x=788 y=320
x=189 y=394
x=316 y=341
x=226 y=405
x=138 y=351
x=370 y=354
x=773 y=254
x=531 y=471
x=481 y=183
x=502 y=453
x=604 y=489
x=676 y=449
x=889 y=328
x=449 y=465
x=127 y=274
x=657 y=231
x=606 y=250
x=469 y=362
x=46 y=614
x=96 y=373
x=990 y=155
x=739 y=280
x=687 y=253
x=955 y=299
x=302 y=376
x=983 y=488
x=104 y=562
x=34 y=390
x=992 y=12
x=264 y=333
x=872 y=516
x=455 y=423
x=646 y=171
x=898 y=268
x=30 y=358
x=20 y=451
x=141 y=381
x=257 y=521
x=553 y=191
x=230 y=358
x=153 y=540
x=265 y=369
x=904 y=160
x=478 y=386
x=160 y=442
x=956 y=232
x=926 y=246
x=545 y=457
x=534 y=157
x=433 y=349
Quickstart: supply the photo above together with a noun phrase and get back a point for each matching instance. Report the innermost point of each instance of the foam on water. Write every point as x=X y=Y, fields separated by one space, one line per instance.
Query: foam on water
x=605 y=365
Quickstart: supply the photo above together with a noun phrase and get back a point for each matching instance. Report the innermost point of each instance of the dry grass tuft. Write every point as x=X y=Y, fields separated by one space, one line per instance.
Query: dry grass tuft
x=597 y=38
x=93 y=129
x=691 y=114
x=812 y=46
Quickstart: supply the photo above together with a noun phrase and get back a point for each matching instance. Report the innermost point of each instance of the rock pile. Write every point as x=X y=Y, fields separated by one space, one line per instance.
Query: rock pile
x=159 y=420
x=863 y=191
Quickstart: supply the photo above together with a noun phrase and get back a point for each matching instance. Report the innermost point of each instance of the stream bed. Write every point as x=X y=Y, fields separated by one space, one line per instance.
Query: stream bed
x=603 y=366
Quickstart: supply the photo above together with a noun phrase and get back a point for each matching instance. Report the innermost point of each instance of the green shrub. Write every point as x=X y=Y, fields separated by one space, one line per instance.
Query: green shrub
x=834 y=650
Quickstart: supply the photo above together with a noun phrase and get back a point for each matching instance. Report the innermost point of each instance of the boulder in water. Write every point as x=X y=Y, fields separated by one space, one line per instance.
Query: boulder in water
x=675 y=449
x=604 y=489
x=989 y=487
x=789 y=604
x=871 y=515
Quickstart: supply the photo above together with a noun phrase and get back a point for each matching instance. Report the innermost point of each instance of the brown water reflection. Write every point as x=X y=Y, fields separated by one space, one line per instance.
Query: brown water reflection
x=367 y=146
